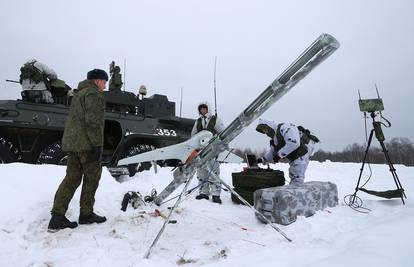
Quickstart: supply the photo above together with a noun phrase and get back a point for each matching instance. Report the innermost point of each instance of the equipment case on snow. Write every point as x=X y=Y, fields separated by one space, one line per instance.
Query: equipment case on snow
x=283 y=204
x=248 y=181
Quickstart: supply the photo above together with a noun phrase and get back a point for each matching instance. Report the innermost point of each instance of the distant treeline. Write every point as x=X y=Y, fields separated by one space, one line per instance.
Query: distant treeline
x=400 y=150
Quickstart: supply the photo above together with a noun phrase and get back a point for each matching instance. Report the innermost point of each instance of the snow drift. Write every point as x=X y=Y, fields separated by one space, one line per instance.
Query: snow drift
x=206 y=233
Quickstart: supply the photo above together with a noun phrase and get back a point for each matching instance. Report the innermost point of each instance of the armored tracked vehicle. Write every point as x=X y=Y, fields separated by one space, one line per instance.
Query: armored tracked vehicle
x=31 y=131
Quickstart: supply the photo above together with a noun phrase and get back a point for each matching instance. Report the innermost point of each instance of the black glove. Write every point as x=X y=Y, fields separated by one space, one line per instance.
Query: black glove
x=96 y=153
x=261 y=160
x=272 y=142
x=276 y=158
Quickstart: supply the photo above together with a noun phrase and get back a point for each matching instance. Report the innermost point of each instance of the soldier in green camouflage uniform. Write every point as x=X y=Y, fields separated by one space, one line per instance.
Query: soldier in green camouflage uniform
x=115 y=83
x=83 y=140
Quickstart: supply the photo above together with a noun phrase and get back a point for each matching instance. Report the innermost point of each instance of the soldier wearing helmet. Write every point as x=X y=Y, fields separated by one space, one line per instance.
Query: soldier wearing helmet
x=208 y=185
x=35 y=78
x=289 y=141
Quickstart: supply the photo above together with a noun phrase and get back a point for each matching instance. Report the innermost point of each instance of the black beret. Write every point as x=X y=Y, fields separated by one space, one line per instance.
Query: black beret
x=97 y=74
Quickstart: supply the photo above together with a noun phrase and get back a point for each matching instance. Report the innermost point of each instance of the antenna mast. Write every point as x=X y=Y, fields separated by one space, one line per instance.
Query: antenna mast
x=124 y=73
x=376 y=88
x=181 y=101
x=215 y=93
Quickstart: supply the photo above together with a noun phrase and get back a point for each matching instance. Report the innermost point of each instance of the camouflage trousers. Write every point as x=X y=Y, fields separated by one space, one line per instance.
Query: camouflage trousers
x=297 y=168
x=208 y=184
x=80 y=165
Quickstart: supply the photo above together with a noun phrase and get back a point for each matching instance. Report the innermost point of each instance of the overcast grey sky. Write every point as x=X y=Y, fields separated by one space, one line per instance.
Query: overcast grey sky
x=172 y=44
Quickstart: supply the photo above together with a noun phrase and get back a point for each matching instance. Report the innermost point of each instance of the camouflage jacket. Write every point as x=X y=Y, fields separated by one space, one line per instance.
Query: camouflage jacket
x=85 y=123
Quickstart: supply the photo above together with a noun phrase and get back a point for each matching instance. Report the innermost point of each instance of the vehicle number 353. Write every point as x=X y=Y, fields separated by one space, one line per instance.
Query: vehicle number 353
x=165 y=132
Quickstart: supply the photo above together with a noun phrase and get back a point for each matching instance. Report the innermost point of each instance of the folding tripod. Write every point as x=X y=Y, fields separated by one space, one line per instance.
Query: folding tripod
x=399 y=192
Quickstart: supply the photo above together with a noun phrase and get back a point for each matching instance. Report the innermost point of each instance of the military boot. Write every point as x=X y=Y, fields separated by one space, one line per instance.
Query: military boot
x=93 y=218
x=217 y=199
x=58 y=222
x=202 y=196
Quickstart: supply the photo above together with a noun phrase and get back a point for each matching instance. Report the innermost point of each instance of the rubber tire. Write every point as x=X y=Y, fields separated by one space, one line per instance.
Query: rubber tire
x=246 y=194
x=53 y=154
x=136 y=149
x=262 y=178
x=8 y=152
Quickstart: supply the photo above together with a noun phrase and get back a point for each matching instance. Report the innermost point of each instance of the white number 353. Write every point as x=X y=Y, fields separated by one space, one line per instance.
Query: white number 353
x=165 y=132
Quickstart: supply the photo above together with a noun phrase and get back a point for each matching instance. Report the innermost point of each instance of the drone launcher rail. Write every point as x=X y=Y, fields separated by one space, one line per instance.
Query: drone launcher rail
x=319 y=50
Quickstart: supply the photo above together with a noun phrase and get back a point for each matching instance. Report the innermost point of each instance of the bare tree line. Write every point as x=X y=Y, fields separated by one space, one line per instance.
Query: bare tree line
x=400 y=149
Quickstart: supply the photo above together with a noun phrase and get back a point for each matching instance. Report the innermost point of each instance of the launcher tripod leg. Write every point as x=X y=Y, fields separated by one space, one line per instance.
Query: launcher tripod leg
x=252 y=207
x=189 y=177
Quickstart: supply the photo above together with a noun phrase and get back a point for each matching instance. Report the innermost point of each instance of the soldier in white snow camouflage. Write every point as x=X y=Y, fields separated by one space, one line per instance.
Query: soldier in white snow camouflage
x=35 y=78
x=288 y=141
x=208 y=184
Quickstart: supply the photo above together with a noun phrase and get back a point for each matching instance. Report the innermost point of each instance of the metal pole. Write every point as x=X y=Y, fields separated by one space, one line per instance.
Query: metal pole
x=124 y=73
x=352 y=201
x=215 y=92
x=181 y=101
x=167 y=219
x=253 y=208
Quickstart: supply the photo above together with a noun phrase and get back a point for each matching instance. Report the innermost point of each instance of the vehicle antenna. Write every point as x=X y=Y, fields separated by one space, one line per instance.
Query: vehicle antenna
x=124 y=73
x=181 y=101
x=215 y=93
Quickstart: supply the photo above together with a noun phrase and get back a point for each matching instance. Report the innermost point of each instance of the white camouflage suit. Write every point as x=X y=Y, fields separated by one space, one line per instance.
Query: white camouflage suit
x=292 y=136
x=209 y=184
x=28 y=84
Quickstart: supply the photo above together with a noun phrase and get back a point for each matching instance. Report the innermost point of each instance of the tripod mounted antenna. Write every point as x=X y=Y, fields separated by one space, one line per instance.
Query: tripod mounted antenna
x=375 y=106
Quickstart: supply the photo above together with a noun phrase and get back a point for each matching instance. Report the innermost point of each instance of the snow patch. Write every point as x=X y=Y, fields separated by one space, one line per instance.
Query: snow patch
x=206 y=233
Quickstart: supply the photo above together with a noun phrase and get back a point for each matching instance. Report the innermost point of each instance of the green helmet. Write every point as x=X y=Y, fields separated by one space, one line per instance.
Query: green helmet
x=265 y=127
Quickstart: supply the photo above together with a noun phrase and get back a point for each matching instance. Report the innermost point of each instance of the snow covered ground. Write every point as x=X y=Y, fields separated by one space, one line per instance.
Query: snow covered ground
x=206 y=234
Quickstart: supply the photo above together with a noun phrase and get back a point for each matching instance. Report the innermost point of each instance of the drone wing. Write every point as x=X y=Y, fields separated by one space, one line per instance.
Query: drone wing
x=181 y=151
x=229 y=157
